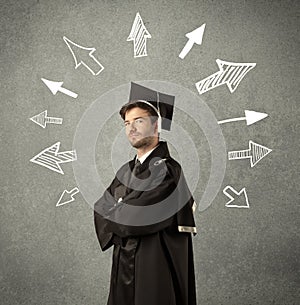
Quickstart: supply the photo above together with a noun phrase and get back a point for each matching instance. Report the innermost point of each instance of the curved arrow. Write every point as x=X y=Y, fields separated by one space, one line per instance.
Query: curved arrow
x=250 y=117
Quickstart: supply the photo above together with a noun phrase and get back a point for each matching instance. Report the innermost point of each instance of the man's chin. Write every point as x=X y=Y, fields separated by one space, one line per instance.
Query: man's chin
x=147 y=141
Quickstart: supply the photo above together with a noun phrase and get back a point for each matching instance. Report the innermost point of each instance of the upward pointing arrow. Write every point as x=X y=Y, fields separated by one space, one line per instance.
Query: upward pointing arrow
x=250 y=117
x=194 y=37
x=83 y=55
x=139 y=35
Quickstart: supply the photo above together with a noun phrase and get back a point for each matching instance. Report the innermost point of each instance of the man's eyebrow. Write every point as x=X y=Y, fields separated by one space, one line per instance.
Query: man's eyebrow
x=139 y=117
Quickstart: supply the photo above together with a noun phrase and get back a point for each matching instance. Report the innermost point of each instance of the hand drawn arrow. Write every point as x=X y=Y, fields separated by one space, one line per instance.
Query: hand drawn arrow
x=240 y=198
x=67 y=196
x=229 y=73
x=57 y=86
x=51 y=158
x=255 y=153
x=83 y=55
x=194 y=37
x=139 y=35
x=250 y=117
x=42 y=119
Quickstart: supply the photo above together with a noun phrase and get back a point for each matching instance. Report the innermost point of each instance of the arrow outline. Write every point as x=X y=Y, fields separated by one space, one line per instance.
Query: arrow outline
x=72 y=192
x=243 y=190
x=77 y=64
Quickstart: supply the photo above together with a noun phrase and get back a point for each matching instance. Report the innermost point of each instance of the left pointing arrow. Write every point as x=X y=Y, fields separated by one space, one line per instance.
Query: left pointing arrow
x=51 y=158
x=57 y=86
x=67 y=196
x=42 y=119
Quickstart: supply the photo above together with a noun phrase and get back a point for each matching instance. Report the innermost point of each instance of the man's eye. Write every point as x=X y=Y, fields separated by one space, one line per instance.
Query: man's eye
x=139 y=121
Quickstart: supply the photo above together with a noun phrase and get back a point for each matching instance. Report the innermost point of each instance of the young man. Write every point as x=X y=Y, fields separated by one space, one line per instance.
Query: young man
x=147 y=213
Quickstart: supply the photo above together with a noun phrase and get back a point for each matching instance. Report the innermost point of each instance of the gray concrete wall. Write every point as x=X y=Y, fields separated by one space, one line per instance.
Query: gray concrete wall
x=49 y=254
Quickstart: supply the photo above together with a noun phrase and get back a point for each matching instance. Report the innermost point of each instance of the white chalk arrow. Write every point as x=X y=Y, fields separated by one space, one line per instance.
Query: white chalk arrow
x=42 y=119
x=255 y=153
x=51 y=158
x=250 y=117
x=83 y=55
x=240 y=198
x=139 y=35
x=57 y=86
x=194 y=37
x=229 y=73
x=67 y=196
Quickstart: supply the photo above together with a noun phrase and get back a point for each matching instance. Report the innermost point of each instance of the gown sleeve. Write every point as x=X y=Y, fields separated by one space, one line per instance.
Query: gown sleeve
x=115 y=213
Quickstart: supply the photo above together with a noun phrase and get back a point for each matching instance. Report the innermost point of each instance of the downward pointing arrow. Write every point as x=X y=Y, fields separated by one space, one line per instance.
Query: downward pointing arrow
x=194 y=37
x=250 y=117
x=83 y=55
x=67 y=196
x=57 y=86
x=240 y=198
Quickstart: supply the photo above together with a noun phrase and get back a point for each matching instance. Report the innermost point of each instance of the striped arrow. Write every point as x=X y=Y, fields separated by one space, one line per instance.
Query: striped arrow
x=139 y=35
x=255 y=153
x=67 y=196
x=51 y=158
x=250 y=117
x=42 y=119
x=229 y=73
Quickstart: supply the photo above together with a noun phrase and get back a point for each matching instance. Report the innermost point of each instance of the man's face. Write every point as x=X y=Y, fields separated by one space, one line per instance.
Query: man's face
x=139 y=129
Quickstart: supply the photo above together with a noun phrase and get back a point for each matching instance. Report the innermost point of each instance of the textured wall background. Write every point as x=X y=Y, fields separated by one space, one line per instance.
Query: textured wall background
x=49 y=254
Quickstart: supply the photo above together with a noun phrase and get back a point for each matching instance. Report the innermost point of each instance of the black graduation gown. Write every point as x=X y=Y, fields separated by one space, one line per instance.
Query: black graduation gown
x=152 y=263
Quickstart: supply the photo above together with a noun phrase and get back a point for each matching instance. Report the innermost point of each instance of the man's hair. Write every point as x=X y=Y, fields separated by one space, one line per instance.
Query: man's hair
x=152 y=113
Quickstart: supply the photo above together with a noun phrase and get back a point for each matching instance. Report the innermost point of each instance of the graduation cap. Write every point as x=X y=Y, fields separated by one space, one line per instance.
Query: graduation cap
x=162 y=103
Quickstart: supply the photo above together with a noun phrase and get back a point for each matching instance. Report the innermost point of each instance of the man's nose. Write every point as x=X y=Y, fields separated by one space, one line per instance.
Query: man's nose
x=132 y=126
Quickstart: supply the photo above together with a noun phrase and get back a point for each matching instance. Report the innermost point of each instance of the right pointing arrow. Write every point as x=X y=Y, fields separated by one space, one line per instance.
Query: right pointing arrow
x=255 y=153
x=250 y=117
x=240 y=198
